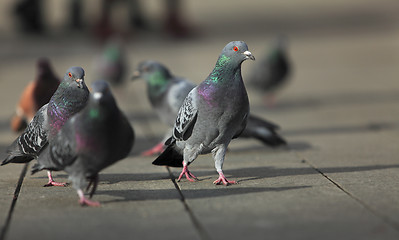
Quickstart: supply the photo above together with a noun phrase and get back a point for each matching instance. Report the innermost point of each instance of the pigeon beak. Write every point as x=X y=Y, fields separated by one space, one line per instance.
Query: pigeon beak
x=136 y=75
x=79 y=82
x=249 y=55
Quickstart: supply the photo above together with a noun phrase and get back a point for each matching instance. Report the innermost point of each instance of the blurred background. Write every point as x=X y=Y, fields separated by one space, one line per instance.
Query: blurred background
x=340 y=51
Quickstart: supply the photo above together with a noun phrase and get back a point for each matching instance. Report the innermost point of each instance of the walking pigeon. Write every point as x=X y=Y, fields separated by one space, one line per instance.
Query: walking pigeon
x=212 y=114
x=37 y=93
x=91 y=140
x=167 y=93
x=69 y=98
x=272 y=71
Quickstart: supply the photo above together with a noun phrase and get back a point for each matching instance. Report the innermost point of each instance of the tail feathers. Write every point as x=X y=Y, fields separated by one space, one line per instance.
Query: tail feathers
x=14 y=155
x=267 y=136
x=273 y=139
x=170 y=157
x=17 y=159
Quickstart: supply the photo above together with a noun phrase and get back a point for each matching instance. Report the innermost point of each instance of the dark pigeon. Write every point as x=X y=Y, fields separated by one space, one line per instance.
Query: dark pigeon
x=90 y=141
x=36 y=94
x=272 y=71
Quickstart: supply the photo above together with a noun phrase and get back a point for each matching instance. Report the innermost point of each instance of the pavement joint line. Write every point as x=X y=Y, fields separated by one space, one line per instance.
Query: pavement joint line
x=14 y=202
x=387 y=220
x=204 y=235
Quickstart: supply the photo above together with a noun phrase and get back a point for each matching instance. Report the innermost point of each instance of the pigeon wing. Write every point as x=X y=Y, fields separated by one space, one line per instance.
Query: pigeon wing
x=186 y=117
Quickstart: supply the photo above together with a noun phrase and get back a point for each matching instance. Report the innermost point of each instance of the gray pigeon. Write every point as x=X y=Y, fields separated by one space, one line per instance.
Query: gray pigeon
x=167 y=93
x=91 y=140
x=272 y=71
x=69 y=98
x=212 y=114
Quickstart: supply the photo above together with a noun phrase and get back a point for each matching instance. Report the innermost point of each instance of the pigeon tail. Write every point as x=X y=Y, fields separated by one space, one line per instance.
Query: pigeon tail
x=17 y=159
x=263 y=130
x=274 y=140
x=15 y=155
x=170 y=157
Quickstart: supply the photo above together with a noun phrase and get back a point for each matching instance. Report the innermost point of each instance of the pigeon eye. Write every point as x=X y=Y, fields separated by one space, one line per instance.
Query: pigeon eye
x=70 y=75
x=235 y=48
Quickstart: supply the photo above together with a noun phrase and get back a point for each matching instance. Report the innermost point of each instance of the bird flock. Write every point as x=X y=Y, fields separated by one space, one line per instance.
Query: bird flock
x=64 y=126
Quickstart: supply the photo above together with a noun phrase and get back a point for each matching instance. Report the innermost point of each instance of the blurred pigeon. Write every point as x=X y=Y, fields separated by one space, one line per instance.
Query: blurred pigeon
x=69 y=98
x=167 y=93
x=272 y=71
x=212 y=114
x=91 y=140
x=37 y=93
x=110 y=65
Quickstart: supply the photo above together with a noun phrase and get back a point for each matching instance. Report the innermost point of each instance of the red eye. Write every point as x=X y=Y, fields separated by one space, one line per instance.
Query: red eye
x=235 y=49
x=70 y=75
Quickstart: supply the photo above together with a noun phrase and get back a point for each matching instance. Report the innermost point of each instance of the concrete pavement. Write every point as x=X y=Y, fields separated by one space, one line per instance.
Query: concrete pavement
x=337 y=179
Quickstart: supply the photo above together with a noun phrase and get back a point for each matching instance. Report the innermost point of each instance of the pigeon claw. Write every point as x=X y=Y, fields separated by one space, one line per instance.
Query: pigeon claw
x=83 y=201
x=52 y=183
x=86 y=202
x=223 y=179
x=190 y=177
x=56 y=184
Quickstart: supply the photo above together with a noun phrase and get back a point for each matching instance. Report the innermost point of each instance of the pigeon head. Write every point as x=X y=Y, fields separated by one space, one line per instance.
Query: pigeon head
x=43 y=64
x=45 y=71
x=236 y=51
x=101 y=92
x=75 y=75
x=154 y=73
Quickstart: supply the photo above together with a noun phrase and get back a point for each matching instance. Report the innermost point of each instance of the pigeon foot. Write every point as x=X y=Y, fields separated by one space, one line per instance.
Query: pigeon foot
x=83 y=201
x=52 y=183
x=223 y=179
x=190 y=177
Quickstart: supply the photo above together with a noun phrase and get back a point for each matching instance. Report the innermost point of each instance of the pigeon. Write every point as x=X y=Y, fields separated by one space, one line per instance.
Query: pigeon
x=110 y=65
x=166 y=94
x=37 y=93
x=69 y=98
x=212 y=114
x=271 y=72
x=90 y=141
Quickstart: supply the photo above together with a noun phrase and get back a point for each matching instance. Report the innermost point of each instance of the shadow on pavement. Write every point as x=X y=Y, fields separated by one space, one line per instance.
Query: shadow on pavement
x=167 y=194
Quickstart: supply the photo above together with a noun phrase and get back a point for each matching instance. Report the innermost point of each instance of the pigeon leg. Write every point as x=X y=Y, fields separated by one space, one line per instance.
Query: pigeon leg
x=86 y=202
x=190 y=177
x=51 y=181
x=218 y=155
x=223 y=179
x=93 y=182
x=157 y=149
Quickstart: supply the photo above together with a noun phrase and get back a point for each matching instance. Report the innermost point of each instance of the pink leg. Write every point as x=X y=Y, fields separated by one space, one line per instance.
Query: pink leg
x=157 y=149
x=190 y=177
x=223 y=179
x=86 y=202
x=51 y=181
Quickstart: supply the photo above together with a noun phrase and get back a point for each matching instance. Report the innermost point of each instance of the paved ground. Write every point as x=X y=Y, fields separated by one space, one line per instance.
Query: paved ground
x=338 y=179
